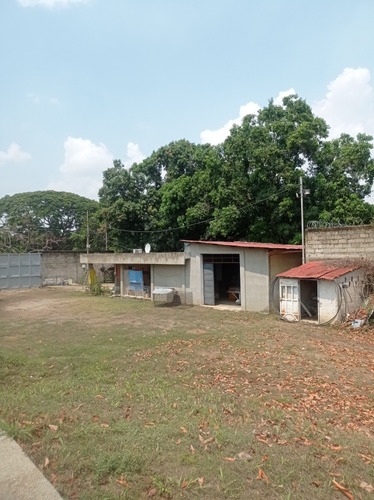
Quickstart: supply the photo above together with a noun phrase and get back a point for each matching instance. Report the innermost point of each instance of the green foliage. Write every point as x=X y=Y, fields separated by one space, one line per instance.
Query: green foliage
x=115 y=464
x=96 y=287
x=44 y=220
x=244 y=189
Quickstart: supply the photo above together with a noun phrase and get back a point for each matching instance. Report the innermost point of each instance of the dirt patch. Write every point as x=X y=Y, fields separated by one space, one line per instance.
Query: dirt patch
x=36 y=302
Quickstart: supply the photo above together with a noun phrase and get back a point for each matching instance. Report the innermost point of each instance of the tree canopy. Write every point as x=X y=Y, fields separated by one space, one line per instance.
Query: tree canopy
x=245 y=188
x=44 y=220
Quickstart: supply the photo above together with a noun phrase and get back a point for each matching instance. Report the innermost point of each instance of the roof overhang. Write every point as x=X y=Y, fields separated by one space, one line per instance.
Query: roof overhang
x=317 y=270
x=160 y=258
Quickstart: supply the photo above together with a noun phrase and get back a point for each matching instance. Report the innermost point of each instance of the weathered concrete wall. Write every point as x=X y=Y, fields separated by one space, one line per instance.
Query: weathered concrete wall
x=61 y=266
x=106 y=259
x=194 y=253
x=257 y=272
x=256 y=279
x=278 y=264
x=58 y=267
x=338 y=298
x=350 y=242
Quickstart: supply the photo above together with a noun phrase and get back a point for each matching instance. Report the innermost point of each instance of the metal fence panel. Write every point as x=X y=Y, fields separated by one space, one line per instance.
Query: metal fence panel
x=20 y=270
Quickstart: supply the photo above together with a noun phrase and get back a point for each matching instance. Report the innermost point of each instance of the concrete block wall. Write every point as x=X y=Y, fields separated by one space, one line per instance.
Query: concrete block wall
x=350 y=242
x=58 y=267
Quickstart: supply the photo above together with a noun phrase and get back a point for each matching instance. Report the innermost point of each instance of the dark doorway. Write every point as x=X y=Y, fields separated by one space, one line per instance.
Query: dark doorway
x=309 y=300
x=222 y=279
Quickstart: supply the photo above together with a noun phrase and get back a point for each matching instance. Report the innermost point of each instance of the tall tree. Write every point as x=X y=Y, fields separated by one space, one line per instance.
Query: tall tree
x=264 y=158
x=44 y=220
x=243 y=189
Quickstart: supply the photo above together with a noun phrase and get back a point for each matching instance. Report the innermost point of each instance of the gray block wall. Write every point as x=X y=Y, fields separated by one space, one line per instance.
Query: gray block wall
x=350 y=242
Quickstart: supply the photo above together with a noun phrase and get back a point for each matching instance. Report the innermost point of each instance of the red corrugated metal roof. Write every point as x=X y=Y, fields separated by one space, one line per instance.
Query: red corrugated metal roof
x=316 y=270
x=245 y=244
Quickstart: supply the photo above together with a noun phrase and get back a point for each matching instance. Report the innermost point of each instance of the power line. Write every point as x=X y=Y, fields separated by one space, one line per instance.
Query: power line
x=153 y=231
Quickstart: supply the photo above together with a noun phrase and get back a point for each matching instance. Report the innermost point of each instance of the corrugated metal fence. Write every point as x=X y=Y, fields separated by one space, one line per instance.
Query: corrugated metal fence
x=20 y=270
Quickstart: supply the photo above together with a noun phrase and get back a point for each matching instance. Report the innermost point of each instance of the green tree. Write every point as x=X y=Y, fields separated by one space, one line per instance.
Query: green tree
x=340 y=180
x=43 y=220
x=264 y=158
x=243 y=189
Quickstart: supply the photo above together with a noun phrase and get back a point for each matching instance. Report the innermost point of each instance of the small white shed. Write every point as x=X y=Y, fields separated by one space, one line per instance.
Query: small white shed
x=320 y=292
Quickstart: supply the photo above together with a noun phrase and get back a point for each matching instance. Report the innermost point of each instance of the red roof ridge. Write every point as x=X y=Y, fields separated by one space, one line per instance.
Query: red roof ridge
x=318 y=270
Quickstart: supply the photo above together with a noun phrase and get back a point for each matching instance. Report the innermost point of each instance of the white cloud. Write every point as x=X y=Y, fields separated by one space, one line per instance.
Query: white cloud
x=83 y=167
x=215 y=137
x=278 y=101
x=134 y=155
x=14 y=154
x=50 y=3
x=82 y=170
x=349 y=103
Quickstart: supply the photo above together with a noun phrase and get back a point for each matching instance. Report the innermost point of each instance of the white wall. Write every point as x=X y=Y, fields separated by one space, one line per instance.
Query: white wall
x=256 y=279
x=168 y=277
x=254 y=273
x=337 y=299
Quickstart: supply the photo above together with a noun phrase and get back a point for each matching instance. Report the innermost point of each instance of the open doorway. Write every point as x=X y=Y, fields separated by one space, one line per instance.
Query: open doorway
x=222 y=279
x=309 y=300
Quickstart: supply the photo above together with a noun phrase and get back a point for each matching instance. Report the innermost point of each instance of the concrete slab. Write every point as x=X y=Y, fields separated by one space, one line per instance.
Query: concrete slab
x=20 y=479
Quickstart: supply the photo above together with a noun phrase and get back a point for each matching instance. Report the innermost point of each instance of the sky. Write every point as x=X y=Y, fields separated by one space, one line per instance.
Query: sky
x=84 y=82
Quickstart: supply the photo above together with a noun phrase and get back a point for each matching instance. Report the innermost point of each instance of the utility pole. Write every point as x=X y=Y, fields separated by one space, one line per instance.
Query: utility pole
x=87 y=236
x=303 y=192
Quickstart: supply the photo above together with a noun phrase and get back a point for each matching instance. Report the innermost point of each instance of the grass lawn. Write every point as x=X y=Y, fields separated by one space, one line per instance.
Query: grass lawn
x=122 y=399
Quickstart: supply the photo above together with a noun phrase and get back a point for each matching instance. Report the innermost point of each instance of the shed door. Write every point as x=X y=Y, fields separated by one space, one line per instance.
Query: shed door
x=208 y=281
x=289 y=299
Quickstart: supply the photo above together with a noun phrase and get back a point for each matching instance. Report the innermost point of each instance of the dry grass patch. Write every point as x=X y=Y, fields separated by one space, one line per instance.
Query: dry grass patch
x=117 y=398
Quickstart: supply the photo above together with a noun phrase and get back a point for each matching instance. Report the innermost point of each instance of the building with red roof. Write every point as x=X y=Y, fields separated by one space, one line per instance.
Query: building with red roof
x=320 y=291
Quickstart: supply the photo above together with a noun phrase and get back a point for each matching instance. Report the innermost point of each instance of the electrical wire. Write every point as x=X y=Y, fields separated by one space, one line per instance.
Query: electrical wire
x=186 y=226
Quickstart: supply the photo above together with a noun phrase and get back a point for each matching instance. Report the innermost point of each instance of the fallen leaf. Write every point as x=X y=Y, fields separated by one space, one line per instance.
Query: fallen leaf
x=46 y=462
x=184 y=484
x=79 y=406
x=368 y=487
x=341 y=488
x=52 y=366
x=152 y=492
x=263 y=441
x=265 y=458
x=99 y=396
x=336 y=447
x=53 y=427
x=178 y=442
x=95 y=418
x=200 y=481
x=105 y=425
x=192 y=449
x=229 y=459
x=183 y=429
x=262 y=475
x=122 y=481
x=316 y=483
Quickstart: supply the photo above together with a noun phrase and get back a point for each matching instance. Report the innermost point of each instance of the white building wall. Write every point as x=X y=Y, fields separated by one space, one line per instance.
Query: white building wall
x=278 y=264
x=328 y=294
x=164 y=276
x=341 y=297
x=256 y=279
x=254 y=274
